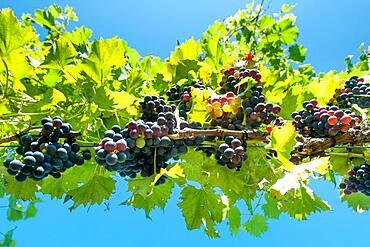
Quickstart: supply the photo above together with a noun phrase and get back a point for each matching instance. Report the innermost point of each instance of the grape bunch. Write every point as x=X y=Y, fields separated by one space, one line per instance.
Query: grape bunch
x=358 y=180
x=355 y=91
x=258 y=112
x=44 y=155
x=323 y=121
x=232 y=76
x=143 y=147
x=231 y=153
x=152 y=106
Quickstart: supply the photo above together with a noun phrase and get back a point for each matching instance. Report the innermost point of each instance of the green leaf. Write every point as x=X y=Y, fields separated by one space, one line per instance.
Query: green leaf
x=357 y=201
x=287 y=7
x=234 y=220
x=288 y=105
x=12 y=35
x=140 y=186
x=301 y=202
x=186 y=51
x=324 y=88
x=223 y=177
x=340 y=163
x=60 y=55
x=25 y=190
x=8 y=241
x=192 y=163
x=283 y=140
x=134 y=82
x=15 y=210
x=297 y=53
x=271 y=208
x=256 y=226
x=265 y=22
x=288 y=31
x=105 y=55
x=201 y=207
x=99 y=188
x=156 y=198
x=102 y=98
x=31 y=210
x=70 y=180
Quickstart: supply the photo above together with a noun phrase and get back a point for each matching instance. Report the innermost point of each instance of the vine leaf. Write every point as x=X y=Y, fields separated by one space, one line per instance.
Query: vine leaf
x=149 y=199
x=61 y=54
x=8 y=241
x=357 y=201
x=12 y=35
x=271 y=208
x=324 y=87
x=234 y=220
x=201 y=207
x=25 y=190
x=297 y=53
x=105 y=55
x=301 y=202
x=99 y=188
x=283 y=141
x=339 y=163
x=192 y=165
x=289 y=105
x=15 y=210
x=31 y=210
x=187 y=51
x=224 y=178
x=256 y=225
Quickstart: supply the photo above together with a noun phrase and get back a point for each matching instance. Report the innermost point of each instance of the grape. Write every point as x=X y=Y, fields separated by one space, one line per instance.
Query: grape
x=26 y=140
x=15 y=165
x=140 y=143
x=86 y=155
x=61 y=153
x=121 y=145
x=20 y=177
x=110 y=146
x=39 y=172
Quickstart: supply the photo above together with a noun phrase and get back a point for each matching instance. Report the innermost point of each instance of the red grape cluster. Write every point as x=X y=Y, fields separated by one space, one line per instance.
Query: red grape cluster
x=225 y=111
x=239 y=71
x=358 y=180
x=323 y=121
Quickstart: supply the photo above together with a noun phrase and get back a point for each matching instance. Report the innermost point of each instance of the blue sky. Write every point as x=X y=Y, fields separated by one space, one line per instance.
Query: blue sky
x=329 y=29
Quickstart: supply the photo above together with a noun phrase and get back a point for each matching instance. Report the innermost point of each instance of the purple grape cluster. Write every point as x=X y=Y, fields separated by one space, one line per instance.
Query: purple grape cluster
x=43 y=155
x=358 y=180
x=231 y=153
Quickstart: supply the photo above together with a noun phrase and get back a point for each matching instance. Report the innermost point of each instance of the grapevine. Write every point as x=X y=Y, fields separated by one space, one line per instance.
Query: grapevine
x=225 y=119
